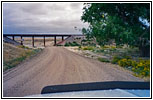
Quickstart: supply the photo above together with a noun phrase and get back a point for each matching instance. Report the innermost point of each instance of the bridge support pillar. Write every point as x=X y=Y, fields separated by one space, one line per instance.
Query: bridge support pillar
x=21 y=41
x=44 y=41
x=13 y=38
x=33 y=41
x=62 y=38
x=55 y=41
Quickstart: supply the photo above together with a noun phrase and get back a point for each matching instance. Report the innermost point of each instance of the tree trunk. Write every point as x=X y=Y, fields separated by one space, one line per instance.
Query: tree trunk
x=145 y=51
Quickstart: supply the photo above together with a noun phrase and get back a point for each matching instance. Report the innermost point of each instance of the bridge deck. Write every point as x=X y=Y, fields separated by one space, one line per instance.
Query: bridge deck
x=42 y=35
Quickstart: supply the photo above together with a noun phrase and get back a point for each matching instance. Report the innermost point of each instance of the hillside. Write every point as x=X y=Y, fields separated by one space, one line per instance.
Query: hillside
x=13 y=55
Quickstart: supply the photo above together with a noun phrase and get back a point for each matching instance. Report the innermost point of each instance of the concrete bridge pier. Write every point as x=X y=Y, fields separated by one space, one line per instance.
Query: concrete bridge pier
x=44 y=41
x=54 y=40
x=62 y=38
x=13 y=38
x=21 y=41
x=33 y=41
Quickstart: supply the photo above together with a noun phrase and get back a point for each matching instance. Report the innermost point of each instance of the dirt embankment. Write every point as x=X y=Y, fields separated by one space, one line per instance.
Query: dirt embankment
x=13 y=55
x=56 y=65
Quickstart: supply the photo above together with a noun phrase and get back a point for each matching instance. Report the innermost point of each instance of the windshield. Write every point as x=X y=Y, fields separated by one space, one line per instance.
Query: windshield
x=51 y=47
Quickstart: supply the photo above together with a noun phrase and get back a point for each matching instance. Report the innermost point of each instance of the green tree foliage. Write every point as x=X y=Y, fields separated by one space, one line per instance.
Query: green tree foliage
x=125 y=23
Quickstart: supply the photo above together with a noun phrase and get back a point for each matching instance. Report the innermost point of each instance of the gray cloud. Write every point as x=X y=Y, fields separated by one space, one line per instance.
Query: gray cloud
x=42 y=17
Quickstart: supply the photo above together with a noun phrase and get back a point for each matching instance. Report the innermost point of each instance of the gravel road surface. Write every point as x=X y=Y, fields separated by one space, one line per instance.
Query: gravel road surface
x=55 y=66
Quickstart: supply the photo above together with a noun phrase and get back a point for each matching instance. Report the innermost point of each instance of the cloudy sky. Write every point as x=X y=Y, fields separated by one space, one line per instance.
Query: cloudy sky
x=42 y=17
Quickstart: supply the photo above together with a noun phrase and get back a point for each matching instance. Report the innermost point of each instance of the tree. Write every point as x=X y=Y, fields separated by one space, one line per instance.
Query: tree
x=125 y=23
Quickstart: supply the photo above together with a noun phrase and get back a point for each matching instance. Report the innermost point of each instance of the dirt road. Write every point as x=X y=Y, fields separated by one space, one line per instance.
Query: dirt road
x=56 y=65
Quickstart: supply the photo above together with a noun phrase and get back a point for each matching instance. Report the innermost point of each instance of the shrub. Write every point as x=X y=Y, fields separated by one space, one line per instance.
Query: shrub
x=142 y=68
x=103 y=59
x=66 y=44
x=79 y=47
x=106 y=46
x=125 y=62
x=72 y=44
x=21 y=46
x=134 y=63
x=127 y=57
x=113 y=47
x=75 y=44
x=99 y=50
x=24 y=47
x=88 y=48
x=116 y=59
x=109 y=46
x=119 y=46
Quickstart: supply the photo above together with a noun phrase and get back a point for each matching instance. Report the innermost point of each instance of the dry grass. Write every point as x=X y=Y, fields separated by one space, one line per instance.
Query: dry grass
x=11 y=51
x=14 y=55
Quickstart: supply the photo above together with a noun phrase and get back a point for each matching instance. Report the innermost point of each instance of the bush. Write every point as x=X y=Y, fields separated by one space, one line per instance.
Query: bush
x=125 y=62
x=116 y=59
x=66 y=44
x=119 y=46
x=79 y=47
x=88 y=48
x=72 y=44
x=21 y=46
x=141 y=68
x=127 y=57
x=99 y=50
x=24 y=47
x=103 y=59
x=134 y=63
x=106 y=46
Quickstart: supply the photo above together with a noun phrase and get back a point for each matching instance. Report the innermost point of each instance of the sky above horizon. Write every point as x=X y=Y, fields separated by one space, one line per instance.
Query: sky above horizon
x=42 y=17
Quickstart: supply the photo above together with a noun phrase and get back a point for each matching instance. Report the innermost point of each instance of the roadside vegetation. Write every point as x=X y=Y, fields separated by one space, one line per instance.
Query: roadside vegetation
x=126 y=57
x=72 y=44
x=14 y=55
x=120 y=33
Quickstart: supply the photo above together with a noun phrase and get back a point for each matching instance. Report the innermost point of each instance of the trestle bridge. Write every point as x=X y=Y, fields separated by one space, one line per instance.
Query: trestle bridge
x=40 y=35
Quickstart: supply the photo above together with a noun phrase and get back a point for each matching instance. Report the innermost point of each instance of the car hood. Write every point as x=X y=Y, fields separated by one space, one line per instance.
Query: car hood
x=99 y=93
